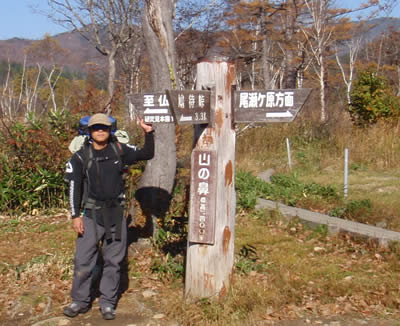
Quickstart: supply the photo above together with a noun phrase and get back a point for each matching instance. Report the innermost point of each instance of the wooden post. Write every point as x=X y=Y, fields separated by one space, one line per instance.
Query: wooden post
x=209 y=266
x=346 y=172
x=288 y=153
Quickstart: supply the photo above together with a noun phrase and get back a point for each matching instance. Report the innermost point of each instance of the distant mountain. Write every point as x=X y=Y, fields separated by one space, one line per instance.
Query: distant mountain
x=77 y=52
x=379 y=26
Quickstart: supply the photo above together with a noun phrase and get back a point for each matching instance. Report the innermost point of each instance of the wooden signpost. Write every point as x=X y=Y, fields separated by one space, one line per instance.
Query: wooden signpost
x=151 y=107
x=202 y=197
x=280 y=105
x=190 y=107
x=210 y=251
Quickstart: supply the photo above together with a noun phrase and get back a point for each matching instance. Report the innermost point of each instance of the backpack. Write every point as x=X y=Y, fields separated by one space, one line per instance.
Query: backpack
x=83 y=128
x=84 y=135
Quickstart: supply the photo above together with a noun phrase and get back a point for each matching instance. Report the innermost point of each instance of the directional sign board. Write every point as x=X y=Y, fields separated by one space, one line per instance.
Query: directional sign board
x=281 y=105
x=203 y=194
x=151 y=107
x=190 y=107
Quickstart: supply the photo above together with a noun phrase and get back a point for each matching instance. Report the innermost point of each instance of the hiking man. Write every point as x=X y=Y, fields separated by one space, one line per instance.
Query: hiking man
x=96 y=184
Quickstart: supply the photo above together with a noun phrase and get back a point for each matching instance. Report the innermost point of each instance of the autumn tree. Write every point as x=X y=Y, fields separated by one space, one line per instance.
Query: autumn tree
x=319 y=36
x=266 y=36
x=106 y=24
x=46 y=52
x=249 y=40
x=129 y=60
x=197 y=27
x=291 y=43
x=392 y=54
x=347 y=46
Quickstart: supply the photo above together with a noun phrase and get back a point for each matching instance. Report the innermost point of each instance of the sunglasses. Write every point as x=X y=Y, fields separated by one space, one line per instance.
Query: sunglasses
x=99 y=127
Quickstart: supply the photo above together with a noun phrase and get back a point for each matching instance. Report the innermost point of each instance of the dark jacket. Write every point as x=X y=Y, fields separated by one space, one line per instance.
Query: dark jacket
x=105 y=180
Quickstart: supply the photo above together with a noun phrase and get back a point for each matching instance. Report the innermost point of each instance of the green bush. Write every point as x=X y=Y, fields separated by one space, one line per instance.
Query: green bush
x=32 y=164
x=283 y=188
x=372 y=99
x=357 y=210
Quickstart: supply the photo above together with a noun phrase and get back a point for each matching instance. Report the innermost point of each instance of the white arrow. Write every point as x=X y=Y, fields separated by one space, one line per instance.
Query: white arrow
x=156 y=111
x=286 y=114
x=187 y=118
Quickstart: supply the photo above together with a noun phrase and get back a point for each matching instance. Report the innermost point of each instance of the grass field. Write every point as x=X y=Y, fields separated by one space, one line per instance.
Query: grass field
x=283 y=270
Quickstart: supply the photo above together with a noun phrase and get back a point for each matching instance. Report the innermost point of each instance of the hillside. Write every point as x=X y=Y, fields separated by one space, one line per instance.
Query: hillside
x=77 y=51
x=381 y=26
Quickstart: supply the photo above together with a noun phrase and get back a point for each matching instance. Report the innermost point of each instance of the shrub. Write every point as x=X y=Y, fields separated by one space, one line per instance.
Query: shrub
x=357 y=210
x=372 y=99
x=32 y=163
x=285 y=188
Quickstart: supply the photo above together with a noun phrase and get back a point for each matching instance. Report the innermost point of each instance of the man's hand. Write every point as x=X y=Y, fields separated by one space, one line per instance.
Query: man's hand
x=77 y=224
x=147 y=128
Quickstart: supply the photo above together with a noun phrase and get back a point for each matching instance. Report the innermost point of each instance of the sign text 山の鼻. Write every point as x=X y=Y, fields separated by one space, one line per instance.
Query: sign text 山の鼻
x=202 y=197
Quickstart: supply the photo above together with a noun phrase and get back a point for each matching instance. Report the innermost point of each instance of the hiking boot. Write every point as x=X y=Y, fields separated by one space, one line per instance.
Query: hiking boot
x=108 y=313
x=74 y=309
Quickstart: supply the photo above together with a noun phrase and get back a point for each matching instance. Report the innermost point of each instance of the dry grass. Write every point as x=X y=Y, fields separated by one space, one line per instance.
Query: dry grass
x=317 y=147
x=317 y=153
x=293 y=272
x=298 y=273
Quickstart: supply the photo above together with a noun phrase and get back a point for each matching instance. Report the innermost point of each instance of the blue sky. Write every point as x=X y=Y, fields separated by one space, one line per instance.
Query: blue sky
x=356 y=3
x=19 y=20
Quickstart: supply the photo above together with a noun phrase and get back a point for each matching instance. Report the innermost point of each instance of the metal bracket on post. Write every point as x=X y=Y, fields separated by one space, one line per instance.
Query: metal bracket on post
x=233 y=89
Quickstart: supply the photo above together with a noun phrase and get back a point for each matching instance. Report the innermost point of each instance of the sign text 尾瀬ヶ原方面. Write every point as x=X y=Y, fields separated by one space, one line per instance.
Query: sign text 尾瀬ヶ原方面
x=281 y=105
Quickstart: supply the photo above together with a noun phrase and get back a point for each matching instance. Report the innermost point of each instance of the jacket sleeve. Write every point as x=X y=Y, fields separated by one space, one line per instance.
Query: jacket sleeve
x=74 y=175
x=133 y=154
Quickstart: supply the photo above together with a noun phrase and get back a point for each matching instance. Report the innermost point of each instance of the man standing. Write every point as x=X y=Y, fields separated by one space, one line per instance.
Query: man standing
x=96 y=185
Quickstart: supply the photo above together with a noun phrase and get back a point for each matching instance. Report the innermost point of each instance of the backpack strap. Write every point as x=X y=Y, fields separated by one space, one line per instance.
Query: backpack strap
x=119 y=152
x=87 y=161
x=87 y=157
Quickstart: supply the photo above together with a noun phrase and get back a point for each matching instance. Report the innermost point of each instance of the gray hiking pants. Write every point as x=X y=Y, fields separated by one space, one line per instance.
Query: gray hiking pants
x=86 y=253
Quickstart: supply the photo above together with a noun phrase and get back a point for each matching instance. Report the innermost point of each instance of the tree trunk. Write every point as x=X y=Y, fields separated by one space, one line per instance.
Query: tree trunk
x=209 y=267
x=157 y=182
x=398 y=81
x=290 y=67
x=111 y=79
x=266 y=65
x=322 y=88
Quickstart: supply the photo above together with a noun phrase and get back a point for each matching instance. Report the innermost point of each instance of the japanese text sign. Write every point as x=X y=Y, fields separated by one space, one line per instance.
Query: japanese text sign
x=202 y=197
x=280 y=105
x=151 y=107
x=190 y=107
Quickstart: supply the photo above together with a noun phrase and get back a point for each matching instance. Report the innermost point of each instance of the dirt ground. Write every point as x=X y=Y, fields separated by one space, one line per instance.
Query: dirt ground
x=35 y=278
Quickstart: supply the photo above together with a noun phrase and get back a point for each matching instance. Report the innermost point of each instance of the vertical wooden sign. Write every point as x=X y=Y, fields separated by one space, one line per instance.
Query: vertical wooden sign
x=202 y=197
x=209 y=266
